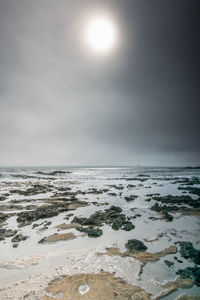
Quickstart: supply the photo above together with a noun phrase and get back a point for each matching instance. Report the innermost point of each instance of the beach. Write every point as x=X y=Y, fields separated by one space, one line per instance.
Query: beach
x=100 y=233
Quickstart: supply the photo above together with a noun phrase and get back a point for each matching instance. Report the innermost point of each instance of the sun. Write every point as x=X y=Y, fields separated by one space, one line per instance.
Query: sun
x=100 y=34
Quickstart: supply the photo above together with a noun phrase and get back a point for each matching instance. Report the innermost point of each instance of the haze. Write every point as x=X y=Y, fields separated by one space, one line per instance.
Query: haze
x=62 y=105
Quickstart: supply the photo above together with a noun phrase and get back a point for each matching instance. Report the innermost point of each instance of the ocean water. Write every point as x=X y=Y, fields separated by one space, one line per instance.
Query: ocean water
x=27 y=269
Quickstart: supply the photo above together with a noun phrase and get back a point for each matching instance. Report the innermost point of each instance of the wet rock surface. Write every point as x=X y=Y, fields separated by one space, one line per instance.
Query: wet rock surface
x=91 y=231
x=178 y=200
x=3 y=218
x=112 y=216
x=34 y=190
x=4 y=233
x=18 y=238
x=169 y=263
x=130 y=198
x=135 y=246
x=57 y=207
x=192 y=273
x=189 y=252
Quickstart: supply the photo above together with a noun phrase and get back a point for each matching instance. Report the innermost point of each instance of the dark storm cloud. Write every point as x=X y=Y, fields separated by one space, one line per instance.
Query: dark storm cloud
x=61 y=106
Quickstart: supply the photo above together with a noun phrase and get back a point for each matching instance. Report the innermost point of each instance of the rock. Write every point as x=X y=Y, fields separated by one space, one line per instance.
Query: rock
x=112 y=194
x=130 y=198
x=134 y=246
x=116 y=225
x=169 y=263
x=47 y=223
x=189 y=252
x=130 y=186
x=15 y=245
x=18 y=238
x=27 y=217
x=111 y=216
x=152 y=195
x=36 y=225
x=191 y=273
x=3 y=217
x=135 y=216
x=34 y=190
x=117 y=187
x=167 y=216
x=6 y=233
x=53 y=173
x=91 y=231
x=2 y=236
x=178 y=200
x=128 y=226
x=9 y=233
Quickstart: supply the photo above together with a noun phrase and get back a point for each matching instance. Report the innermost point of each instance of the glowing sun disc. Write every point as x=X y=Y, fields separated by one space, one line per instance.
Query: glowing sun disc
x=100 y=34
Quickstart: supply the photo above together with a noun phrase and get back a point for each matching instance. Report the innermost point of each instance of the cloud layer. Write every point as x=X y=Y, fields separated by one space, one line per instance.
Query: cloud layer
x=59 y=105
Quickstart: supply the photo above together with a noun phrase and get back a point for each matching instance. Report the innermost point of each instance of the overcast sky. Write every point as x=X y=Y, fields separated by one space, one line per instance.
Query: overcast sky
x=62 y=105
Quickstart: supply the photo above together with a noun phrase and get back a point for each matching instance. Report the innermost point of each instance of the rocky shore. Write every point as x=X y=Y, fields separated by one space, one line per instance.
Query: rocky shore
x=152 y=223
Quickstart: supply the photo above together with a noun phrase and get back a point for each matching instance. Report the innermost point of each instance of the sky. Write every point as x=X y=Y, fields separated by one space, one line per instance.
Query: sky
x=62 y=105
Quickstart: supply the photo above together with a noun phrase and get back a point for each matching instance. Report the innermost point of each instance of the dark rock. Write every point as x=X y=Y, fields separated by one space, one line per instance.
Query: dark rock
x=53 y=173
x=169 y=263
x=167 y=216
x=189 y=252
x=94 y=220
x=6 y=233
x=2 y=236
x=15 y=245
x=148 y=199
x=134 y=246
x=19 y=238
x=191 y=273
x=130 y=186
x=191 y=190
x=178 y=200
x=111 y=216
x=128 y=226
x=117 y=187
x=97 y=192
x=36 y=225
x=27 y=217
x=34 y=190
x=152 y=195
x=116 y=225
x=130 y=198
x=91 y=231
x=112 y=194
x=47 y=223
x=134 y=217
x=3 y=217
x=9 y=233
